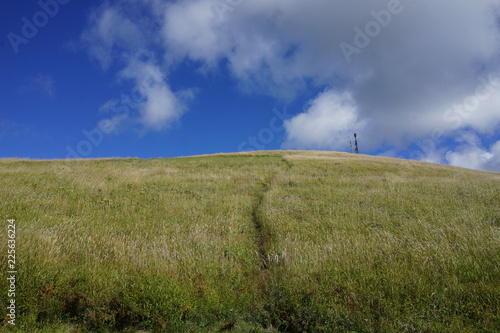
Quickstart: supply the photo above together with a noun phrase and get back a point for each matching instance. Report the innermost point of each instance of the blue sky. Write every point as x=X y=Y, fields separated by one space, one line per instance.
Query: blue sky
x=155 y=78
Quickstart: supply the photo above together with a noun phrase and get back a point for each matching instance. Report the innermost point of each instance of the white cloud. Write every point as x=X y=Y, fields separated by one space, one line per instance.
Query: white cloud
x=403 y=85
x=480 y=111
x=425 y=60
x=191 y=29
x=161 y=108
x=328 y=123
x=110 y=34
x=471 y=155
x=158 y=105
x=117 y=35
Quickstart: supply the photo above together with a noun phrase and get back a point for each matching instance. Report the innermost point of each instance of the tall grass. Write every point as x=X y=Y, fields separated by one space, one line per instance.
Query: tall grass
x=269 y=241
x=161 y=244
x=376 y=245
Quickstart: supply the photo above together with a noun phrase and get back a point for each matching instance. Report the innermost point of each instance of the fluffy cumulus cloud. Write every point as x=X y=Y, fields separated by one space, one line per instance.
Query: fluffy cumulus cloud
x=328 y=122
x=399 y=71
x=116 y=36
x=405 y=70
x=158 y=106
x=474 y=157
x=191 y=29
x=471 y=154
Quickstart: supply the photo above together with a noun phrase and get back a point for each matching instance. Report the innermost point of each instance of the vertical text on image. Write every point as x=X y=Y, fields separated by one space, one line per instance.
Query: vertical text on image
x=11 y=270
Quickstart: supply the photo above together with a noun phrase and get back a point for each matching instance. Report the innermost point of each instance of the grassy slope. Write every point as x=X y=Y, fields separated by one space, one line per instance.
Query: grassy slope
x=272 y=241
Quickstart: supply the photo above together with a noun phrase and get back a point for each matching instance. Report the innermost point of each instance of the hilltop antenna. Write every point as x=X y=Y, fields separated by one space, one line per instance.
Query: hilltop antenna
x=350 y=144
x=356 y=148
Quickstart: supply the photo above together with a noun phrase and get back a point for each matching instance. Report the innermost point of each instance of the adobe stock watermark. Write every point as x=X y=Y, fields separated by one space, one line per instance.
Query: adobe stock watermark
x=95 y=136
x=223 y=7
x=31 y=26
x=457 y=115
x=11 y=271
x=267 y=134
x=372 y=29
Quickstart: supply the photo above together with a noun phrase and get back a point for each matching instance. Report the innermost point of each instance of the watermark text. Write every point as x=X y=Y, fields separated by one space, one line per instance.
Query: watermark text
x=11 y=271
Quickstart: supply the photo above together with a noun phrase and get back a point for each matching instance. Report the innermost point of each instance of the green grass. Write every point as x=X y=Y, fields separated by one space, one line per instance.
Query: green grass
x=263 y=242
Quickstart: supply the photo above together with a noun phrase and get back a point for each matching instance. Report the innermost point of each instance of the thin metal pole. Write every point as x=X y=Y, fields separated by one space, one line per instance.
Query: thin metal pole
x=356 y=148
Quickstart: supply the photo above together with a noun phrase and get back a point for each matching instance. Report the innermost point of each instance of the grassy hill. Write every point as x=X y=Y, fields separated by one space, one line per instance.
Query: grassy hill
x=252 y=242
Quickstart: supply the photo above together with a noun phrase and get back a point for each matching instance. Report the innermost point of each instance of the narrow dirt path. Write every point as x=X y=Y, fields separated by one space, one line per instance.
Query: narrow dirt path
x=258 y=224
x=259 y=219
